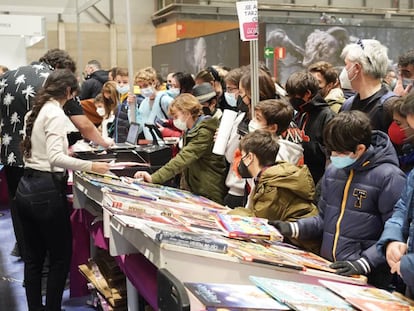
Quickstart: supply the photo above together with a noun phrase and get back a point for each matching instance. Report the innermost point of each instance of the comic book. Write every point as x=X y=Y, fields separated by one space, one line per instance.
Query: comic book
x=368 y=298
x=216 y=296
x=301 y=296
x=248 y=227
x=256 y=252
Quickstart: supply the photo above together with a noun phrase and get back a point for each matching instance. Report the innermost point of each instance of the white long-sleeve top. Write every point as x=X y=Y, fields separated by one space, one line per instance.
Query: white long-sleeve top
x=49 y=142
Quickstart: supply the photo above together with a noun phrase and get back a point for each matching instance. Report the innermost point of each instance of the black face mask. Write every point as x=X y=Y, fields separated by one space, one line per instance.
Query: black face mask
x=297 y=103
x=243 y=170
x=206 y=111
x=241 y=106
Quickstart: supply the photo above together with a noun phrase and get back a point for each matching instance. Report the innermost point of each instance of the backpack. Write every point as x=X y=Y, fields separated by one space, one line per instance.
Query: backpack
x=346 y=106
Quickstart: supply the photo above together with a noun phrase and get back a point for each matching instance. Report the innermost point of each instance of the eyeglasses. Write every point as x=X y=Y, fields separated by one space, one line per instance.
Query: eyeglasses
x=231 y=89
x=245 y=156
x=361 y=44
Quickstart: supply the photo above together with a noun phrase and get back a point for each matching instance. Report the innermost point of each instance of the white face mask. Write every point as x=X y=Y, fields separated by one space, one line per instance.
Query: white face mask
x=344 y=79
x=230 y=99
x=180 y=124
x=147 y=92
x=100 y=111
x=122 y=89
x=254 y=125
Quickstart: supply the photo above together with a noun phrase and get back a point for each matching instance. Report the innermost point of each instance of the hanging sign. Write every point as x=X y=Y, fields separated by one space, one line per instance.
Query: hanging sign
x=248 y=20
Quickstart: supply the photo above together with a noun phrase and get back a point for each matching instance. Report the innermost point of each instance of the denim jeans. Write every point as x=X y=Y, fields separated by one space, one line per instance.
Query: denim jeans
x=43 y=211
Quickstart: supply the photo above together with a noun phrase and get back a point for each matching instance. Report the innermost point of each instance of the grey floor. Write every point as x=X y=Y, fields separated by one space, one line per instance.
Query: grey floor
x=12 y=294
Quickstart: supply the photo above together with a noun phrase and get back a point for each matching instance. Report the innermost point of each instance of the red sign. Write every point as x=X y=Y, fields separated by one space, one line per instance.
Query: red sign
x=280 y=52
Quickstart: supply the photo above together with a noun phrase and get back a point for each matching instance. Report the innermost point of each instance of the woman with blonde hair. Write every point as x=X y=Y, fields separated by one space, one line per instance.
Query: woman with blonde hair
x=202 y=171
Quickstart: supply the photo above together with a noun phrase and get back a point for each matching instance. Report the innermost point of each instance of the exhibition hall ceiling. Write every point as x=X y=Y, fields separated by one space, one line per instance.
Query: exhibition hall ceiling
x=39 y=6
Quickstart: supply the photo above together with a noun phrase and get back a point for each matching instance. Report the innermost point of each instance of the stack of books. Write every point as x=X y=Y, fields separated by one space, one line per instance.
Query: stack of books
x=105 y=276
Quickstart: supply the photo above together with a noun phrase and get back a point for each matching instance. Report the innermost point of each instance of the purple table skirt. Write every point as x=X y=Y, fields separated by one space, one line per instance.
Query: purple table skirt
x=137 y=268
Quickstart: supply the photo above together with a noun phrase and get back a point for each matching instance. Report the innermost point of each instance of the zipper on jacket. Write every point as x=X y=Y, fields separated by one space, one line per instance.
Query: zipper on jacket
x=341 y=215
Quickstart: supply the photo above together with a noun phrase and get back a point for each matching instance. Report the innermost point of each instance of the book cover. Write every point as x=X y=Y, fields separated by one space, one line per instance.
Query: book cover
x=301 y=296
x=302 y=257
x=198 y=221
x=192 y=240
x=368 y=298
x=255 y=252
x=217 y=296
x=248 y=227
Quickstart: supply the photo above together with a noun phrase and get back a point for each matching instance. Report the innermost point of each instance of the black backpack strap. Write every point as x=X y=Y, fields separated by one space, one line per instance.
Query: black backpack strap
x=162 y=110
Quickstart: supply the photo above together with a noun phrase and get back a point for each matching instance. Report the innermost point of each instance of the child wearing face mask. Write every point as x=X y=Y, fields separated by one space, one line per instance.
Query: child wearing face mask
x=359 y=190
x=202 y=171
x=281 y=190
x=155 y=103
x=103 y=109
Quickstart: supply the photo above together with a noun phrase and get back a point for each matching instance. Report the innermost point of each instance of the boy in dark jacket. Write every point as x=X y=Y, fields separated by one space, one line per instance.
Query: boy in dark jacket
x=359 y=191
x=313 y=113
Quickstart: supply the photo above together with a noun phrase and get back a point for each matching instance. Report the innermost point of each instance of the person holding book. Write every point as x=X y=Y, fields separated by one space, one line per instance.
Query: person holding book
x=359 y=190
x=282 y=191
x=203 y=172
x=396 y=241
x=41 y=202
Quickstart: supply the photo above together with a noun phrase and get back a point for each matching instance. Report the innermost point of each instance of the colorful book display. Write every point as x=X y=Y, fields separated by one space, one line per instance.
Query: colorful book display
x=301 y=257
x=255 y=252
x=369 y=298
x=248 y=227
x=215 y=296
x=301 y=296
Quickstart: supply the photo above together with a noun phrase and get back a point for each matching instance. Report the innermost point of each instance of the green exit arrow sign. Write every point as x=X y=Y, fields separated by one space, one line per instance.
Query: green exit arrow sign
x=269 y=52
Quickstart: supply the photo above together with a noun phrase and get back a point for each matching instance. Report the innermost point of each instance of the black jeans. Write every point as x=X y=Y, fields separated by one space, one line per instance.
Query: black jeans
x=44 y=214
x=13 y=175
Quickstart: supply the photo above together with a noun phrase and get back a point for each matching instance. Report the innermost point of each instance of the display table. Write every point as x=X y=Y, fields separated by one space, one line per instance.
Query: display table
x=139 y=256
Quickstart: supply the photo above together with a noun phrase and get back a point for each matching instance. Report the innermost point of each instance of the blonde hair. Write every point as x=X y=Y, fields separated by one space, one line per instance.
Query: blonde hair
x=186 y=103
x=147 y=74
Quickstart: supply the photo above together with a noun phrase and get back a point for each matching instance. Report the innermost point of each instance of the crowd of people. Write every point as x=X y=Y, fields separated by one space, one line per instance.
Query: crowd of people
x=324 y=157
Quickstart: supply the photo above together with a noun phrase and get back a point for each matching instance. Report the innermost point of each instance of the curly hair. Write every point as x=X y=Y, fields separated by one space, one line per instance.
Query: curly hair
x=58 y=59
x=56 y=87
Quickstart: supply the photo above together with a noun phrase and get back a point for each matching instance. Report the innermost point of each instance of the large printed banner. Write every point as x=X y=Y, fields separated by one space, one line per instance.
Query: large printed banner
x=307 y=44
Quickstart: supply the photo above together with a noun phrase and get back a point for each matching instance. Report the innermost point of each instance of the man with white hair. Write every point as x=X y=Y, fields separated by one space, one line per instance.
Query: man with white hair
x=366 y=64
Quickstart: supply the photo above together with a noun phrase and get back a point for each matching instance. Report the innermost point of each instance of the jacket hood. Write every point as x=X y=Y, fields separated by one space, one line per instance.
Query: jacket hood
x=100 y=75
x=381 y=151
x=297 y=179
x=289 y=151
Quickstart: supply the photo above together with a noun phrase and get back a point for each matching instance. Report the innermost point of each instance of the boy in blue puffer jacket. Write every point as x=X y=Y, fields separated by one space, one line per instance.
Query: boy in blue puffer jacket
x=359 y=190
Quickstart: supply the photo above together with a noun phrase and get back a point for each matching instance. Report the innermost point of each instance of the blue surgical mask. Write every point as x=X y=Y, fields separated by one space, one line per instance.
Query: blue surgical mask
x=122 y=89
x=230 y=99
x=173 y=92
x=343 y=161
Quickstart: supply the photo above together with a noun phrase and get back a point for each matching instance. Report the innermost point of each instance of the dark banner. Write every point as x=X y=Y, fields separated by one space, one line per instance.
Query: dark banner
x=192 y=55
